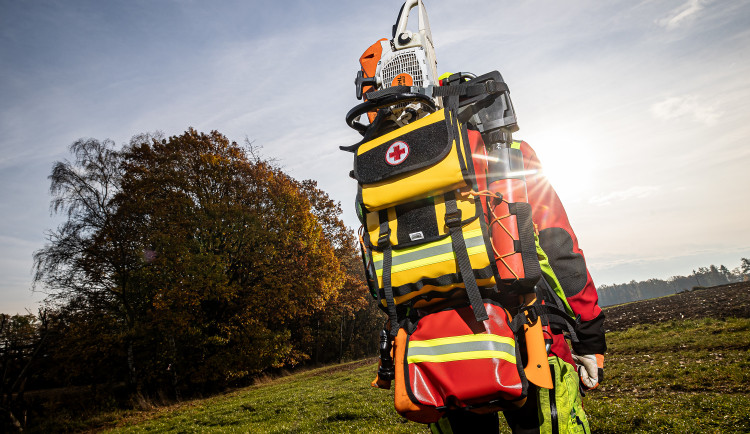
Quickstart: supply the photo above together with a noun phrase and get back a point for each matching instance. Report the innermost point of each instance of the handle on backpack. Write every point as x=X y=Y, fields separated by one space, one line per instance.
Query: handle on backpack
x=386 y=101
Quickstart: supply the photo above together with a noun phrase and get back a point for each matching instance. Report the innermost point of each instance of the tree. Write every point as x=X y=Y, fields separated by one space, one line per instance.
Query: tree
x=22 y=337
x=190 y=259
x=745 y=267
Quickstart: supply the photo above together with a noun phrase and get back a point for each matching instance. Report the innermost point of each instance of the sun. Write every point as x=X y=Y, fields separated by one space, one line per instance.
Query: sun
x=568 y=167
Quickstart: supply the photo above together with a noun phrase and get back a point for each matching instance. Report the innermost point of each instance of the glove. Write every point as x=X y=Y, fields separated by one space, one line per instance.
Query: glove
x=590 y=369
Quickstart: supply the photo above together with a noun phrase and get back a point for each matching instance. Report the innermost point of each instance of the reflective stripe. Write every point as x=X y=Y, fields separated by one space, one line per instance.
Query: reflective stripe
x=466 y=347
x=469 y=355
x=431 y=253
x=480 y=337
x=458 y=348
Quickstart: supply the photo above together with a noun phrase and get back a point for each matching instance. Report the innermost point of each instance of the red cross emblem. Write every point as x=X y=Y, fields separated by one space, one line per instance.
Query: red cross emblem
x=396 y=153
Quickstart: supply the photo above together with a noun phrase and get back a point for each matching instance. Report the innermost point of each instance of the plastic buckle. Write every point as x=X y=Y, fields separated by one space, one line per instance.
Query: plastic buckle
x=531 y=313
x=384 y=239
x=453 y=219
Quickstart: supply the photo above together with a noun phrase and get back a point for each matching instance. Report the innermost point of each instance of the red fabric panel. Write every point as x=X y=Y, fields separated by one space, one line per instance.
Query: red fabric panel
x=447 y=383
x=479 y=158
x=548 y=212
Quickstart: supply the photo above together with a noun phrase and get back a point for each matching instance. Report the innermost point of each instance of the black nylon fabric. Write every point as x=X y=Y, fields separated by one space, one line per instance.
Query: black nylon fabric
x=417 y=219
x=388 y=290
x=569 y=267
x=444 y=280
x=427 y=146
x=384 y=242
x=531 y=267
x=590 y=337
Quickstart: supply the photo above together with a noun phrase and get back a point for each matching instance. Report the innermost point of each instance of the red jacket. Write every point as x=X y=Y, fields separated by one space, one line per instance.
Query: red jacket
x=560 y=243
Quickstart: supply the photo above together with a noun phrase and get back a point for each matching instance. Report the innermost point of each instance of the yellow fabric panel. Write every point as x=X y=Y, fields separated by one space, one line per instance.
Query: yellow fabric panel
x=435 y=266
x=373 y=226
x=466 y=205
x=442 y=177
x=433 y=260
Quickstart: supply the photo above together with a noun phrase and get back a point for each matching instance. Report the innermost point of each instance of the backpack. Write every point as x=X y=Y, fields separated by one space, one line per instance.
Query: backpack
x=428 y=217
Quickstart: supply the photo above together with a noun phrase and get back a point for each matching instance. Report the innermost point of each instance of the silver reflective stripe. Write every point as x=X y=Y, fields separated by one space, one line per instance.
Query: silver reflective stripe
x=462 y=348
x=440 y=249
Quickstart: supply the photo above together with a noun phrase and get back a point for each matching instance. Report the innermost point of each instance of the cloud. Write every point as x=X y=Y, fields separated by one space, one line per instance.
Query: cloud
x=636 y=192
x=682 y=15
x=681 y=106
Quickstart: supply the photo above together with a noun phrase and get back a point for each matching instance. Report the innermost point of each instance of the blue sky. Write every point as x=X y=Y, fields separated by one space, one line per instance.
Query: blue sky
x=638 y=110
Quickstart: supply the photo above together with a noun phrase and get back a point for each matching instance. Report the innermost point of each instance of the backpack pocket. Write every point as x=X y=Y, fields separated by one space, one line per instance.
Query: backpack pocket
x=422 y=159
x=424 y=264
x=442 y=348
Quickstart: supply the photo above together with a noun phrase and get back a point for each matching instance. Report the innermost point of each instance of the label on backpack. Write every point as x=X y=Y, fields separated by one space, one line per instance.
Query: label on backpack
x=416 y=236
x=397 y=153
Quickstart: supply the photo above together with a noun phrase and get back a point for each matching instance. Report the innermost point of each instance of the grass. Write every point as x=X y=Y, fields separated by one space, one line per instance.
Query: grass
x=687 y=376
x=682 y=376
x=335 y=400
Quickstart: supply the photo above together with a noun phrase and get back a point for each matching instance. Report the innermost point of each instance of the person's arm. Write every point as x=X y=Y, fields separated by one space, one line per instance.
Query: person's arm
x=560 y=243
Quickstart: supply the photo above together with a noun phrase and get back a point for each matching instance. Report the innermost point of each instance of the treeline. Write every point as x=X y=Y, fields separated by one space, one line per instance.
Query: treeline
x=703 y=277
x=184 y=265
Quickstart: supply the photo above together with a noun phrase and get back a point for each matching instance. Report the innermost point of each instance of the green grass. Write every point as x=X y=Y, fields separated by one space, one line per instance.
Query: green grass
x=682 y=376
x=689 y=376
x=327 y=400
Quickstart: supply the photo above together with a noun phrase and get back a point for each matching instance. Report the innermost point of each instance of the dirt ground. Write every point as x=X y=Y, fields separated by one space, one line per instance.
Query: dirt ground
x=732 y=300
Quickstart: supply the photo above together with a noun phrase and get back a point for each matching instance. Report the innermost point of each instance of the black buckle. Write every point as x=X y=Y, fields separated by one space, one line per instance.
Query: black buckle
x=532 y=313
x=453 y=219
x=384 y=239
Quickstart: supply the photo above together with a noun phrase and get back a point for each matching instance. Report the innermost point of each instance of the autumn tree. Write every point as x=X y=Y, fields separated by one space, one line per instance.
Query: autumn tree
x=234 y=254
x=190 y=261
x=348 y=326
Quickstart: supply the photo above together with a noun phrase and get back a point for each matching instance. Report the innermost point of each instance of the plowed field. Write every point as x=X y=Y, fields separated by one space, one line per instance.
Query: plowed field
x=726 y=301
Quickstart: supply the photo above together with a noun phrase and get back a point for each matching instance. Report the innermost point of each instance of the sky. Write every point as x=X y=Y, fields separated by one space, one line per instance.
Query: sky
x=638 y=110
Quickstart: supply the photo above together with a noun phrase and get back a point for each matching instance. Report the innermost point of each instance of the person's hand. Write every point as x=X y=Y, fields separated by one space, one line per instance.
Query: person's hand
x=590 y=369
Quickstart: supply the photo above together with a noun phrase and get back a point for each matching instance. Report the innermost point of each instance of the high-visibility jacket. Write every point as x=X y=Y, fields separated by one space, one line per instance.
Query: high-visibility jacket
x=560 y=243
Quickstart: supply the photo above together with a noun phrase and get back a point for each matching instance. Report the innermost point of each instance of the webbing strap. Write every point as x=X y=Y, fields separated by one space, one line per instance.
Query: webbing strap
x=560 y=318
x=488 y=87
x=558 y=315
x=463 y=89
x=384 y=242
x=453 y=221
x=389 y=291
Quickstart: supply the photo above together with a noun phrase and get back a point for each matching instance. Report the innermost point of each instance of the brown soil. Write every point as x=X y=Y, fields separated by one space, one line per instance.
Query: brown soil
x=732 y=300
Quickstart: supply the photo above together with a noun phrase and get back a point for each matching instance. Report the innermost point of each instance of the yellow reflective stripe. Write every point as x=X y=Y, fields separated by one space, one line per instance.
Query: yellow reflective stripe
x=427 y=120
x=469 y=355
x=481 y=337
x=515 y=145
x=450 y=256
x=377 y=256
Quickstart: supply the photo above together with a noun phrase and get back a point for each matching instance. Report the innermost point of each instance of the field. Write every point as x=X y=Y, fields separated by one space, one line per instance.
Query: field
x=675 y=364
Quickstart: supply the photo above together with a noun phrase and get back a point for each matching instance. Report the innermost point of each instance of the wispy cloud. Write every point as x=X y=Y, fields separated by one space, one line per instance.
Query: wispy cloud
x=682 y=15
x=688 y=105
x=636 y=192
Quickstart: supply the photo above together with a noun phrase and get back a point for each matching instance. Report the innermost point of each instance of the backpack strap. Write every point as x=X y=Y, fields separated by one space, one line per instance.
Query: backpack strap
x=453 y=221
x=556 y=311
x=384 y=243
